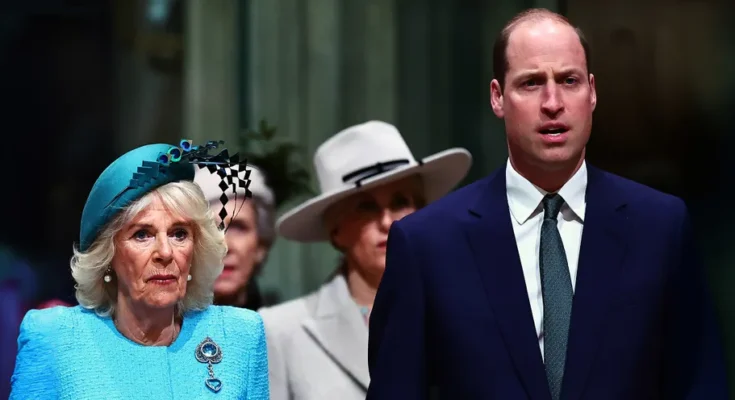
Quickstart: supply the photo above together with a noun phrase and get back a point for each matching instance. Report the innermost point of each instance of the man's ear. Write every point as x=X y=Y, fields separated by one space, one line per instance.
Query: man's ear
x=496 y=98
x=593 y=92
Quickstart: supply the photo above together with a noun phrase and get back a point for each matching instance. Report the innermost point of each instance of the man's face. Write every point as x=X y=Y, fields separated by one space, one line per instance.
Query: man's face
x=549 y=96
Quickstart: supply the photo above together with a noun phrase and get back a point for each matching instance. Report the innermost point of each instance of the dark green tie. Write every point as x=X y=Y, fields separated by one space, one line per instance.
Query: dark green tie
x=556 y=286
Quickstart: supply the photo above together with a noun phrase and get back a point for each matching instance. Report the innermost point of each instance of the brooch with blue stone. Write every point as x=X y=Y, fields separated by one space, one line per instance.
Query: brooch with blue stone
x=208 y=352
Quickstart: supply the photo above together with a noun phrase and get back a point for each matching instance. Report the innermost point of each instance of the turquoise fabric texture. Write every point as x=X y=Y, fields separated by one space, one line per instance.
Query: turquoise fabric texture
x=72 y=353
x=112 y=190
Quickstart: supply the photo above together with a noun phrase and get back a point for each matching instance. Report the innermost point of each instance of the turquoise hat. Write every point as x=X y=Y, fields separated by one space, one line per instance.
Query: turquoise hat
x=146 y=168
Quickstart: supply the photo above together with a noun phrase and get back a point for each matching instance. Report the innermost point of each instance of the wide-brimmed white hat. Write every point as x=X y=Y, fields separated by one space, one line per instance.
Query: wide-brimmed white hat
x=360 y=158
x=209 y=183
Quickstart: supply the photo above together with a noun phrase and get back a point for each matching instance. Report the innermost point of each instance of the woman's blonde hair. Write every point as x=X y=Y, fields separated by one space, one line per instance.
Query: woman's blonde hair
x=182 y=198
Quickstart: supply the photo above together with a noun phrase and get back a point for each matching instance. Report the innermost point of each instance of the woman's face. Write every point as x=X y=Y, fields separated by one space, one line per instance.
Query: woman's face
x=153 y=255
x=244 y=251
x=362 y=228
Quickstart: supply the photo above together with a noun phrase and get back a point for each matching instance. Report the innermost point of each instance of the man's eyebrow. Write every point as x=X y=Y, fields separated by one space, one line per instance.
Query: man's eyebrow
x=527 y=74
x=535 y=73
x=569 y=71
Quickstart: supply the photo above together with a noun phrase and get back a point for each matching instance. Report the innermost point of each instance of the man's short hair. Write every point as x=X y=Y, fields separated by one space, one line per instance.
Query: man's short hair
x=500 y=49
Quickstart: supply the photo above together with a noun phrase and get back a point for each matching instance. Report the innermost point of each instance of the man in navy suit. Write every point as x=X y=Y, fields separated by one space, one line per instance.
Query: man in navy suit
x=549 y=279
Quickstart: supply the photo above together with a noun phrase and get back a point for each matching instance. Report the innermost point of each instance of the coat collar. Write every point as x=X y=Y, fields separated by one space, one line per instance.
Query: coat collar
x=603 y=249
x=338 y=328
x=524 y=198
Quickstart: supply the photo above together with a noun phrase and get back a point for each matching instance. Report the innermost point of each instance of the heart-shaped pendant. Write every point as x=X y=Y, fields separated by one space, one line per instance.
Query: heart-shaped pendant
x=214 y=384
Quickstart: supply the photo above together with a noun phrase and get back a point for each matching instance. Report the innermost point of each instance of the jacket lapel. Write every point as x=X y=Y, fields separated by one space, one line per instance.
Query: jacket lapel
x=337 y=327
x=491 y=237
x=602 y=252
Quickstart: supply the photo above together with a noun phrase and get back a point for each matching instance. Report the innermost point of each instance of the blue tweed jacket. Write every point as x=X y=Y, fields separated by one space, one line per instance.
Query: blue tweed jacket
x=71 y=353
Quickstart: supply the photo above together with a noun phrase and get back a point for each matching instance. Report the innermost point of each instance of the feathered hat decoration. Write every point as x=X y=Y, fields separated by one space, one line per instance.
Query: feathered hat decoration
x=229 y=168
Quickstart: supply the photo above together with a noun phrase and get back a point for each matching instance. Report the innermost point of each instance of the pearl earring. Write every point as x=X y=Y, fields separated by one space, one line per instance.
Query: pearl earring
x=188 y=278
x=108 y=277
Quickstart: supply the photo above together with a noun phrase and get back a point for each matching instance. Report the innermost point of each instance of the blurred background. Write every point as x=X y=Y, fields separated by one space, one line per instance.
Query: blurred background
x=84 y=81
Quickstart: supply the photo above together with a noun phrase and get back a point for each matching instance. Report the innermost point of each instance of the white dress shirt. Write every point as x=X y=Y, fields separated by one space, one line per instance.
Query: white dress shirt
x=527 y=214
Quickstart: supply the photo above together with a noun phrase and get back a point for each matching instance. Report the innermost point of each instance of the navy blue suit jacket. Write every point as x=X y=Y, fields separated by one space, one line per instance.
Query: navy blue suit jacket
x=452 y=318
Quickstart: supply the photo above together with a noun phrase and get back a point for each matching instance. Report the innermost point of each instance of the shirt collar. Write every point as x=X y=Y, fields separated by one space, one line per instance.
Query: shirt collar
x=524 y=198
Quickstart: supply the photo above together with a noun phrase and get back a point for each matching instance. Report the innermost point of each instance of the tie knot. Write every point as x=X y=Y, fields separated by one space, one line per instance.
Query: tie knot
x=552 y=204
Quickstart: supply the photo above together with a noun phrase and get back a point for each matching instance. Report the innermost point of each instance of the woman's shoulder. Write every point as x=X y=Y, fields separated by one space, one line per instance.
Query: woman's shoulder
x=235 y=320
x=289 y=309
x=52 y=321
x=54 y=332
x=287 y=316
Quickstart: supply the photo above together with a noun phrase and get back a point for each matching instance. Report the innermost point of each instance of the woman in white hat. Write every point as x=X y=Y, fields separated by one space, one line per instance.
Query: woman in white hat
x=317 y=344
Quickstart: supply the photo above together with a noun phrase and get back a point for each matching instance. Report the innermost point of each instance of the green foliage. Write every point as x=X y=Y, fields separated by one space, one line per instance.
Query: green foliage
x=286 y=177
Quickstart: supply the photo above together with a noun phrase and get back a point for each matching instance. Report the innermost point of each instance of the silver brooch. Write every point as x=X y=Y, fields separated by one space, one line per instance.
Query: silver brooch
x=208 y=352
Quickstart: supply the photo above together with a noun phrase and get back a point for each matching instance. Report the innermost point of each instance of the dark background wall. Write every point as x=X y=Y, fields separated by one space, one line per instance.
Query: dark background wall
x=73 y=99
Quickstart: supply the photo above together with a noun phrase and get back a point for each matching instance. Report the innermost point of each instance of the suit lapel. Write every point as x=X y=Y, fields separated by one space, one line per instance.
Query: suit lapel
x=491 y=237
x=602 y=252
x=337 y=327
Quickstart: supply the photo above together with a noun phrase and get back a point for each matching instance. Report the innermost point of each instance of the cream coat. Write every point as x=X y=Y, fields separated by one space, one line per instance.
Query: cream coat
x=317 y=346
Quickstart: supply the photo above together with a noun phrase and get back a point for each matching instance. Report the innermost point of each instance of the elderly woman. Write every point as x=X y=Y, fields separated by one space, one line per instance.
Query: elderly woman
x=250 y=235
x=317 y=344
x=149 y=253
